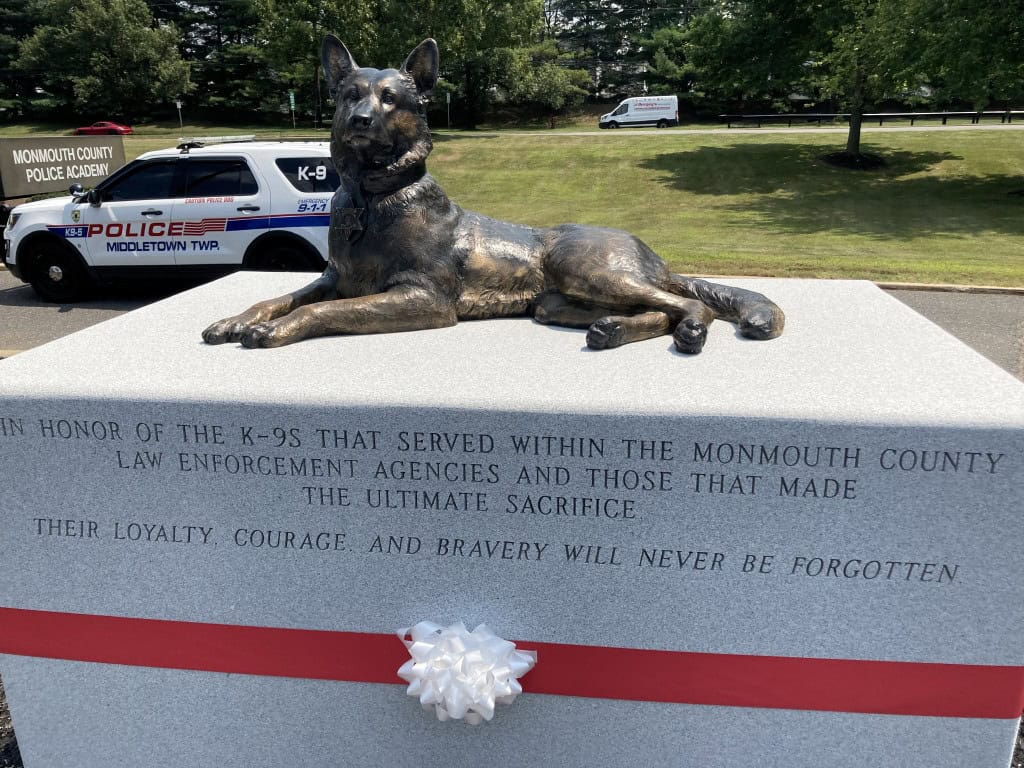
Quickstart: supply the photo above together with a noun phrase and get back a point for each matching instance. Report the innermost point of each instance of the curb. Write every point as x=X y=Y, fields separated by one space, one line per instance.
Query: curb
x=892 y=286
x=952 y=288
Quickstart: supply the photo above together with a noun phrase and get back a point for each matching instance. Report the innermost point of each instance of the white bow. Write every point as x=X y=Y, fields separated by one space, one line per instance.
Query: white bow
x=462 y=674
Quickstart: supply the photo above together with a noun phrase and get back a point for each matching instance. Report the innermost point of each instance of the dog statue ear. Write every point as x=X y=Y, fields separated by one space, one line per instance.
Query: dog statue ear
x=337 y=63
x=422 y=65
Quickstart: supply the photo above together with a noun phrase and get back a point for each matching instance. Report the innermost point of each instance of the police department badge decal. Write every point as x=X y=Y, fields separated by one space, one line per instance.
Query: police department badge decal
x=76 y=216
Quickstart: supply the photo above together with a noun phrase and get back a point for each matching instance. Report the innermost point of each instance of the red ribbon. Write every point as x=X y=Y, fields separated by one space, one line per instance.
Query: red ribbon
x=778 y=682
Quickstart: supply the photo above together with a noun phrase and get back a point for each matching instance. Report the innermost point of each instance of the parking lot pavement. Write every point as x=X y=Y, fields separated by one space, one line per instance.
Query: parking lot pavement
x=26 y=321
x=992 y=324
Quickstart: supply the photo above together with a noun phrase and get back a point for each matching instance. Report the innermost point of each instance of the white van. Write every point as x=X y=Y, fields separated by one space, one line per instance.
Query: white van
x=661 y=111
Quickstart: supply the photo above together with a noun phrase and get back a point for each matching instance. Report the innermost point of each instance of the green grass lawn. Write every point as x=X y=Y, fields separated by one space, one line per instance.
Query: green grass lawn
x=944 y=210
x=949 y=207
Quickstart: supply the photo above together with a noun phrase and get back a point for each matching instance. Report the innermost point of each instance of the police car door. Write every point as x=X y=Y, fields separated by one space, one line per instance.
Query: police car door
x=221 y=209
x=127 y=227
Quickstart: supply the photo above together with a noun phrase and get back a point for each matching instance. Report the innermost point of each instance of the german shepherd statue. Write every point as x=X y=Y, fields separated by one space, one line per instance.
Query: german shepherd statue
x=403 y=257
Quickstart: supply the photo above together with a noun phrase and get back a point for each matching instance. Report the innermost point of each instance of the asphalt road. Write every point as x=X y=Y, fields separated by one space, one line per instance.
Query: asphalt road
x=993 y=324
x=26 y=321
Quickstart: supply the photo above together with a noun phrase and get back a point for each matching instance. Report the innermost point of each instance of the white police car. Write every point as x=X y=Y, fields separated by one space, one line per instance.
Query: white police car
x=202 y=209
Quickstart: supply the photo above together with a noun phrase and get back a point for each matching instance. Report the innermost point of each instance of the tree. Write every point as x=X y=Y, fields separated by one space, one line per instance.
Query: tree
x=539 y=76
x=106 y=57
x=468 y=33
x=16 y=87
x=292 y=31
x=860 y=51
x=840 y=49
x=665 y=52
x=610 y=38
x=964 y=50
x=229 y=62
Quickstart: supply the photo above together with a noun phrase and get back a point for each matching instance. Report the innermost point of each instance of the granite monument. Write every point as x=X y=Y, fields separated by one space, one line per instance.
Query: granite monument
x=209 y=551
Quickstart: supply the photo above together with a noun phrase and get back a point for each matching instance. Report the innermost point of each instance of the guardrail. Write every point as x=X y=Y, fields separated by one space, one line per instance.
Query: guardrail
x=1004 y=115
x=785 y=118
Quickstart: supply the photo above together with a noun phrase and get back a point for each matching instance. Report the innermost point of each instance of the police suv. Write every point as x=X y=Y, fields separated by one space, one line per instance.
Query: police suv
x=203 y=208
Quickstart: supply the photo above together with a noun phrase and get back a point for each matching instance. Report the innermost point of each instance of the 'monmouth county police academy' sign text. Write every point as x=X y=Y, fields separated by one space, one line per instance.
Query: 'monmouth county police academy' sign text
x=52 y=164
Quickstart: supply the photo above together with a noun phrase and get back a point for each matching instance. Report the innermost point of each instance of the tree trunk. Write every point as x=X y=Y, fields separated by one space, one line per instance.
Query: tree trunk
x=856 y=115
x=853 y=137
x=472 y=115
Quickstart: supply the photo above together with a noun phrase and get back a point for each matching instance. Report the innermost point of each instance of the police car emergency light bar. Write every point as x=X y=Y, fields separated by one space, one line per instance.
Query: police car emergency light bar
x=202 y=141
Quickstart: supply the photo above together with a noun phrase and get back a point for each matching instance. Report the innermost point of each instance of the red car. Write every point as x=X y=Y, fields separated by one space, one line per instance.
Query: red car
x=103 y=128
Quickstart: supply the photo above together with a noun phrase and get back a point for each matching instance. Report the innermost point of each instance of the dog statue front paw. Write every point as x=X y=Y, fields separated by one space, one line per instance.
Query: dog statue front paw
x=227 y=330
x=264 y=336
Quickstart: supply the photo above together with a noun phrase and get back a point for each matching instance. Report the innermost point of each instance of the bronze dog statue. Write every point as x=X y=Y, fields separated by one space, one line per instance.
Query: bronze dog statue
x=403 y=257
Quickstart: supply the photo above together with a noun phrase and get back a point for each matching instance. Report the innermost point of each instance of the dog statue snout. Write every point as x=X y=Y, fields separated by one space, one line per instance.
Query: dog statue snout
x=361 y=119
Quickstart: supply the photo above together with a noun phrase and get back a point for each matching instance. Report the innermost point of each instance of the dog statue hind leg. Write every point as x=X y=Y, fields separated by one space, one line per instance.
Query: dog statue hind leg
x=604 y=331
x=616 y=283
x=755 y=315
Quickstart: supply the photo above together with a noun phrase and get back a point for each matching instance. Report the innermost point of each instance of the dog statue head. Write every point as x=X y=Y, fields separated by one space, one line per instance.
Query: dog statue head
x=379 y=137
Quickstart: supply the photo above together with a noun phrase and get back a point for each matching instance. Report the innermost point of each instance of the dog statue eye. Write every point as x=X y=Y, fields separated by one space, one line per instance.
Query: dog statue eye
x=388 y=97
x=352 y=95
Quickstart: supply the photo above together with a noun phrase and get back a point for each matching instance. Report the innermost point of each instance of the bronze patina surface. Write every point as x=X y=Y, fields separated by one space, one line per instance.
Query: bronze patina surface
x=404 y=257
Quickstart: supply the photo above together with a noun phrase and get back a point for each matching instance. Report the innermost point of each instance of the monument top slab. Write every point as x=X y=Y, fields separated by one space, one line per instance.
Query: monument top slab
x=850 y=354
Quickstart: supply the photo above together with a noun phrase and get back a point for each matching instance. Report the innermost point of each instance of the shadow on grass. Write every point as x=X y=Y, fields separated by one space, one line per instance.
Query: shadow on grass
x=791 y=187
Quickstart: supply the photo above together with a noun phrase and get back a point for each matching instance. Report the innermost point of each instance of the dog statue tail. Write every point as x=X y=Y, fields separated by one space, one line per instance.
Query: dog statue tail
x=756 y=316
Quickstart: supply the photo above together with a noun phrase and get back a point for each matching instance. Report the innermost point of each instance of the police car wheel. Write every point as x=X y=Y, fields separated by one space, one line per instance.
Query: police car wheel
x=55 y=275
x=282 y=258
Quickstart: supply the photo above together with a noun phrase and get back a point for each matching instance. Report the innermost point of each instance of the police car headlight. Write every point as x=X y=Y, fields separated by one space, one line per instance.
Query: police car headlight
x=13 y=219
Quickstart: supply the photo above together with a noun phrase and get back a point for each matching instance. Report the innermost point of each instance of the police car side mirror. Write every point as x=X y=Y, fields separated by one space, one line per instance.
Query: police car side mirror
x=93 y=197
